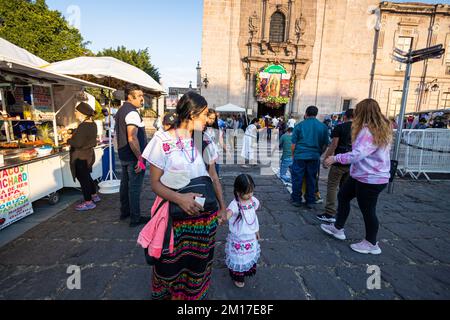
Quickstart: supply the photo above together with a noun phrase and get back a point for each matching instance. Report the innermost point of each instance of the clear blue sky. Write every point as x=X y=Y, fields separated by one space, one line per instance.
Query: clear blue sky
x=171 y=29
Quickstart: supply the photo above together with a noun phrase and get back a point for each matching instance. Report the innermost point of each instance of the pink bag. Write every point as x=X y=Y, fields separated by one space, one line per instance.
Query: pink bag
x=152 y=235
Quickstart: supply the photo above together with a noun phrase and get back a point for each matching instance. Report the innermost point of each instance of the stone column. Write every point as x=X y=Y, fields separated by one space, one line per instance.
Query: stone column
x=289 y=19
x=263 y=30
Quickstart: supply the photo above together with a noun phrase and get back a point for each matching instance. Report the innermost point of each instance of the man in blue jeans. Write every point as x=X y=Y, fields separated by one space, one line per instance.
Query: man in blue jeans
x=309 y=140
x=131 y=141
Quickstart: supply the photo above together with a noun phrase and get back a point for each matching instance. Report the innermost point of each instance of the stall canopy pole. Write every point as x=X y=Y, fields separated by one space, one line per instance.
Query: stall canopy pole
x=55 y=127
x=65 y=104
x=111 y=175
x=3 y=97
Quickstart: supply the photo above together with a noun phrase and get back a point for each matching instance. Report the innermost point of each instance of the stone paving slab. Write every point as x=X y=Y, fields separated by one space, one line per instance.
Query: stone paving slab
x=298 y=261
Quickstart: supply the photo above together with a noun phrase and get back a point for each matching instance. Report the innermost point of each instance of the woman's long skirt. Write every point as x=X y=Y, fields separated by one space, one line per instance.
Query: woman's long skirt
x=185 y=274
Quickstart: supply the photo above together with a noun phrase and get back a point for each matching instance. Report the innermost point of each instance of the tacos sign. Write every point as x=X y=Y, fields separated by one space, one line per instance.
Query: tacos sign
x=14 y=195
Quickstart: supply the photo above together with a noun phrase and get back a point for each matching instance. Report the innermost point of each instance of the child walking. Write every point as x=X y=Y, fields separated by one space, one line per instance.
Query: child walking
x=242 y=248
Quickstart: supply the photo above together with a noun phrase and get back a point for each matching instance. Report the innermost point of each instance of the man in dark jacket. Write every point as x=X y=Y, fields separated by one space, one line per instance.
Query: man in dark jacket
x=131 y=141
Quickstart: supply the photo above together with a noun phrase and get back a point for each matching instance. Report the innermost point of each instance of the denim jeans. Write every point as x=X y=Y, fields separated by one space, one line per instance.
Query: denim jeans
x=284 y=167
x=130 y=191
x=308 y=169
x=218 y=169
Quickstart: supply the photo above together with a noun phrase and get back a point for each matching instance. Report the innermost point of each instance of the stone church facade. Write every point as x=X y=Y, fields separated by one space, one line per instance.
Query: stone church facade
x=336 y=52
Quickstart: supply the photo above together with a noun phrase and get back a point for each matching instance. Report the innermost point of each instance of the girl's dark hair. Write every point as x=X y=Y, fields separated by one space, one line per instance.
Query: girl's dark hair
x=243 y=184
x=190 y=104
x=170 y=119
x=254 y=121
x=215 y=125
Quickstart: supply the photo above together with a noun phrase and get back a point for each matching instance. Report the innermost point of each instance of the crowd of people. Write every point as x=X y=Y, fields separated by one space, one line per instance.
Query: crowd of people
x=179 y=238
x=432 y=120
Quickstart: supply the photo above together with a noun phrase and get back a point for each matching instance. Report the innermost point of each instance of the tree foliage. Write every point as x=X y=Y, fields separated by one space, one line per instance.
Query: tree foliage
x=140 y=59
x=43 y=32
x=46 y=33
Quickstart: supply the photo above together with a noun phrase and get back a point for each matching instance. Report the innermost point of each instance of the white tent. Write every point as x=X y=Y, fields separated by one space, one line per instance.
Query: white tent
x=9 y=51
x=106 y=67
x=230 y=108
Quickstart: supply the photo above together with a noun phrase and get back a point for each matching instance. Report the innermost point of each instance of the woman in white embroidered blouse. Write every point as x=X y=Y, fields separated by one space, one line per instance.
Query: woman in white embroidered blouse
x=185 y=274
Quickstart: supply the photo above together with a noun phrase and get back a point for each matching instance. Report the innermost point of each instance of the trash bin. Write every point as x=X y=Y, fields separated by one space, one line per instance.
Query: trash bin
x=105 y=162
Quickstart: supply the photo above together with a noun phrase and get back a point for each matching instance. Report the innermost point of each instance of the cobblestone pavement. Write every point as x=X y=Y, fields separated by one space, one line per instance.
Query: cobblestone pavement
x=298 y=261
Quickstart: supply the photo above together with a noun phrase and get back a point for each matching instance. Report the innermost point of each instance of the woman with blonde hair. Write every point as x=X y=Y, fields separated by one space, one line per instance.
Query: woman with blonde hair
x=369 y=173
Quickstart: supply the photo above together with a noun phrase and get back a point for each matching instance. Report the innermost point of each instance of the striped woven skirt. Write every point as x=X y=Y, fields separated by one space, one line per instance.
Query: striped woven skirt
x=185 y=274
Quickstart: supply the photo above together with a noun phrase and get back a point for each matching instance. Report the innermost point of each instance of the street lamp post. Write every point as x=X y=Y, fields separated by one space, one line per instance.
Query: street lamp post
x=409 y=58
x=206 y=81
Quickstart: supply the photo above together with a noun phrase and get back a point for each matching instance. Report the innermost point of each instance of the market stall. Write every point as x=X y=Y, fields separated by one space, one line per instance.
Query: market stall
x=37 y=113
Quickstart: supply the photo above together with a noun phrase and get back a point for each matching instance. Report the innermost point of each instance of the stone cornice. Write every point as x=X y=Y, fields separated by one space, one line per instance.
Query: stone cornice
x=271 y=59
x=414 y=8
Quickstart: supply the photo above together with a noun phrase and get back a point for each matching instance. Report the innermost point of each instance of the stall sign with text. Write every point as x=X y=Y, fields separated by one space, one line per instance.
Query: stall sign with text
x=15 y=201
x=42 y=103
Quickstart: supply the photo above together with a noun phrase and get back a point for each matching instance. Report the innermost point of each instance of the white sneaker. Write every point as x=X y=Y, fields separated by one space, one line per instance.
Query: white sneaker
x=365 y=247
x=331 y=230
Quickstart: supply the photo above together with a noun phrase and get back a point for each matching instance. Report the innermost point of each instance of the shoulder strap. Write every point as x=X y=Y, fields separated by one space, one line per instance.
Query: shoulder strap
x=160 y=206
x=166 y=243
x=204 y=146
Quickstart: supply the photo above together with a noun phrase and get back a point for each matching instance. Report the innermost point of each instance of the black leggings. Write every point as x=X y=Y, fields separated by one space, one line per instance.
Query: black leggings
x=83 y=175
x=367 y=197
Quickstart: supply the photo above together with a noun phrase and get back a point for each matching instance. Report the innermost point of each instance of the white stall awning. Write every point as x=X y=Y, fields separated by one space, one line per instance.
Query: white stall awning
x=11 y=51
x=106 y=67
x=17 y=64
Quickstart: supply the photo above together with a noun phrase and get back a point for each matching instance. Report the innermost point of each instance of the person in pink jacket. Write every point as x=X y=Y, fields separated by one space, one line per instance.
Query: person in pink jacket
x=369 y=173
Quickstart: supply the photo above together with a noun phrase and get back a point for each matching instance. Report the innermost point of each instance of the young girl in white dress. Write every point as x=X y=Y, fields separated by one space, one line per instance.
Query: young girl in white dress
x=242 y=248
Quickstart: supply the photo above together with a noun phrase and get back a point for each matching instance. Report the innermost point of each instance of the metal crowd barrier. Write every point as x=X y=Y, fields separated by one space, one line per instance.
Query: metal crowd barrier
x=424 y=151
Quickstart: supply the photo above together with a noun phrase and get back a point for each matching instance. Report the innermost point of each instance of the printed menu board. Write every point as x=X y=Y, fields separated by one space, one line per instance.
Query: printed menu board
x=15 y=201
x=42 y=103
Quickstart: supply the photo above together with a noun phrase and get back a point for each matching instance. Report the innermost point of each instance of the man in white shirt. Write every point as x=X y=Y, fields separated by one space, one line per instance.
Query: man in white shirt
x=131 y=141
x=275 y=122
x=291 y=122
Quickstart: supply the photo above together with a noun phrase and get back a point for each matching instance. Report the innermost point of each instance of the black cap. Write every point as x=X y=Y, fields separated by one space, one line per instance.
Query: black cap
x=85 y=109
